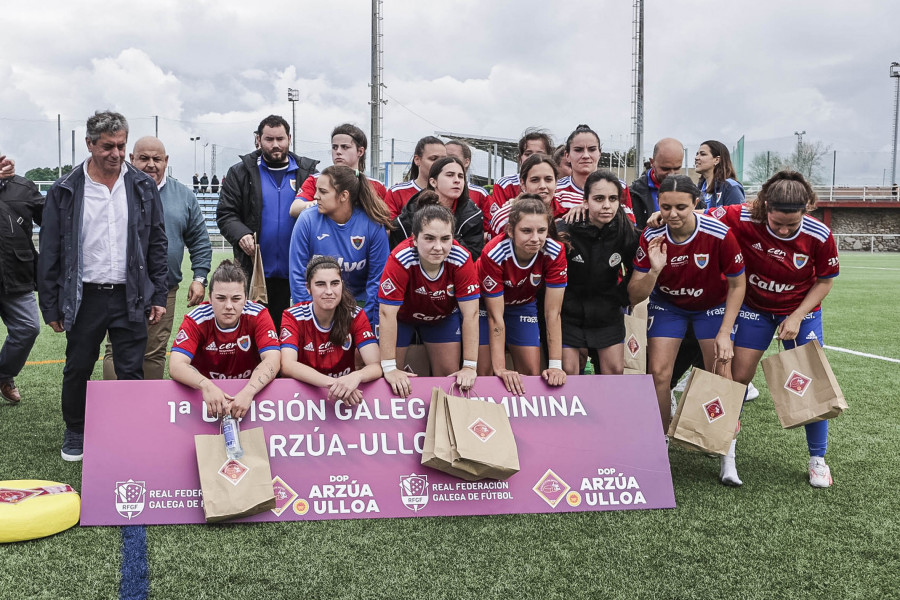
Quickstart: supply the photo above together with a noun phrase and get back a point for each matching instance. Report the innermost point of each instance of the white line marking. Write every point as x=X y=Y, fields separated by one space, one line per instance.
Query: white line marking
x=885 y=358
x=871 y=268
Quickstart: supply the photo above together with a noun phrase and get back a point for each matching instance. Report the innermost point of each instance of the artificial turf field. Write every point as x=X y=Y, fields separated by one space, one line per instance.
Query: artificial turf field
x=775 y=537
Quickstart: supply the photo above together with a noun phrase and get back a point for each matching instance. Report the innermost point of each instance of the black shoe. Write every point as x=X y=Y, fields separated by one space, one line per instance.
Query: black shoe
x=73 y=446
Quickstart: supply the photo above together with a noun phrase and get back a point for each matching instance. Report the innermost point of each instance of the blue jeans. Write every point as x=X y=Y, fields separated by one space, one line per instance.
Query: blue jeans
x=20 y=315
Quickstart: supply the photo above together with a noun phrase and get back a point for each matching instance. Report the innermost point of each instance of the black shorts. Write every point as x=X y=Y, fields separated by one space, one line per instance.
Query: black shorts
x=576 y=335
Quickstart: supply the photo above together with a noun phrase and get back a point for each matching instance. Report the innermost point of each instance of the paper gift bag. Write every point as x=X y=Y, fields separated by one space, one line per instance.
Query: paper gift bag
x=234 y=488
x=258 y=292
x=469 y=439
x=636 y=340
x=803 y=385
x=707 y=415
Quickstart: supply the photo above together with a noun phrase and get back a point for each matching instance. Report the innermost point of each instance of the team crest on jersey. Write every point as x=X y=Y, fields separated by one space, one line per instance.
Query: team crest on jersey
x=347 y=343
x=181 y=337
x=535 y=279
x=293 y=184
x=701 y=260
x=357 y=241
x=800 y=260
x=614 y=260
x=243 y=342
x=489 y=283
x=451 y=289
x=388 y=287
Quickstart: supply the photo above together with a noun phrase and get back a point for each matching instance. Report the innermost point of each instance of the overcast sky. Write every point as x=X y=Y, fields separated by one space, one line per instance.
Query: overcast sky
x=714 y=70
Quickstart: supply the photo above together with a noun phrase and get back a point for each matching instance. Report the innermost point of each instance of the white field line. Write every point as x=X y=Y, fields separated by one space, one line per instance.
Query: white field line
x=854 y=352
x=871 y=268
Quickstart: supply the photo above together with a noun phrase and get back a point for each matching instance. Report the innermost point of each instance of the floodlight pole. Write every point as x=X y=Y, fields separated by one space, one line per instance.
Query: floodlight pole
x=895 y=73
x=294 y=97
x=194 y=139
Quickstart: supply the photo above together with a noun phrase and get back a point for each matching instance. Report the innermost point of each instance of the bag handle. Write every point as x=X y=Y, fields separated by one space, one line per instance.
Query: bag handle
x=467 y=394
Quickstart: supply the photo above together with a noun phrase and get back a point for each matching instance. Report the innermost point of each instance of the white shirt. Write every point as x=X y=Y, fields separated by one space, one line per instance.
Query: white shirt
x=104 y=230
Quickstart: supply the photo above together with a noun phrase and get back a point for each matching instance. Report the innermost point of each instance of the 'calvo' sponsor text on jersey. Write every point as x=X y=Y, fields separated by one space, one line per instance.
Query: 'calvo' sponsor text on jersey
x=768 y=285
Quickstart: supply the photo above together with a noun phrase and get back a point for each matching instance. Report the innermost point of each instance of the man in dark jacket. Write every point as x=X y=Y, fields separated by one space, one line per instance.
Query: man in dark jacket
x=20 y=204
x=668 y=156
x=102 y=265
x=255 y=200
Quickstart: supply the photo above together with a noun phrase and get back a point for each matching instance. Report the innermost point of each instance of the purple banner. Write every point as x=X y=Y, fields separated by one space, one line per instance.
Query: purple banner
x=594 y=444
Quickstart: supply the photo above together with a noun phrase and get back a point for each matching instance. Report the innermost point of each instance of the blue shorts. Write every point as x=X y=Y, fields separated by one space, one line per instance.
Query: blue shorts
x=669 y=321
x=756 y=328
x=442 y=331
x=521 y=325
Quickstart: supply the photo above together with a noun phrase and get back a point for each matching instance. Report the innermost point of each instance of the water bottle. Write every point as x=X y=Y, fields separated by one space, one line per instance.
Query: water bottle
x=232 y=430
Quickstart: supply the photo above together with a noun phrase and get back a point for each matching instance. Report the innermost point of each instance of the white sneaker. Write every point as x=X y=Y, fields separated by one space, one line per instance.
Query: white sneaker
x=674 y=404
x=819 y=473
x=752 y=392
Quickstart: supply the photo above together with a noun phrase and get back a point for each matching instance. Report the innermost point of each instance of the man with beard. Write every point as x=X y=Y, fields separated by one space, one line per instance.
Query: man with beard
x=255 y=199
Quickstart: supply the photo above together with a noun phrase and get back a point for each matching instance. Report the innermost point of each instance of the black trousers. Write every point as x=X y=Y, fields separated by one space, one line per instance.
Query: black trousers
x=279 y=292
x=101 y=310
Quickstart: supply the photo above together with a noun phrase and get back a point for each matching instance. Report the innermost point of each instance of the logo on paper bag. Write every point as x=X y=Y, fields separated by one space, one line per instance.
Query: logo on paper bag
x=482 y=430
x=633 y=346
x=551 y=488
x=714 y=409
x=797 y=383
x=284 y=495
x=130 y=497
x=14 y=496
x=414 y=491
x=357 y=241
x=234 y=470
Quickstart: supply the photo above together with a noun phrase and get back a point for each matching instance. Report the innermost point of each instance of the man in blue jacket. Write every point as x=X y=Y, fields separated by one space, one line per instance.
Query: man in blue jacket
x=256 y=198
x=102 y=265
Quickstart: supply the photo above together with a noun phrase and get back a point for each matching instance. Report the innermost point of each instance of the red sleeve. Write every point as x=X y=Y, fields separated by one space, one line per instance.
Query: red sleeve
x=290 y=330
x=730 y=256
x=361 y=330
x=394 y=204
x=730 y=215
x=265 y=334
x=188 y=338
x=465 y=280
x=641 y=258
x=379 y=188
x=827 y=261
x=394 y=281
x=490 y=276
x=307 y=190
x=556 y=274
x=626 y=204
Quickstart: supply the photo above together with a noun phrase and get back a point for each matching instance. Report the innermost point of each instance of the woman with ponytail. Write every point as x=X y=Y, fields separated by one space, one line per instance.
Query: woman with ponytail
x=349 y=224
x=428 y=150
x=319 y=338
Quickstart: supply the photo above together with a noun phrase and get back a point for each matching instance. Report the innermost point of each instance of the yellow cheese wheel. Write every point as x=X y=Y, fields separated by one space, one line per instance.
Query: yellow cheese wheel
x=35 y=508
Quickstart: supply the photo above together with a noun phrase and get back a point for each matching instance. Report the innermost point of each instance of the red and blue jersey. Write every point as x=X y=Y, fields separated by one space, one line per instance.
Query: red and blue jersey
x=301 y=331
x=307 y=191
x=780 y=271
x=478 y=194
x=500 y=273
x=501 y=216
x=505 y=189
x=695 y=271
x=226 y=353
x=398 y=195
x=423 y=299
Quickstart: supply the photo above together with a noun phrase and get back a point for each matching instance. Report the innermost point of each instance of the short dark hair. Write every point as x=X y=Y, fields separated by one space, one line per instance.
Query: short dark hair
x=273 y=121
x=534 y=133
x=357 y=135
x=105 y=121
x=582 y=128
x=428 y=210
x=680 y=183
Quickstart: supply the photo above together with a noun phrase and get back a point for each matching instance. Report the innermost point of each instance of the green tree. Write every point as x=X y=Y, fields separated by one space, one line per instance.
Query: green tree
x=762 y=166
x=46 y=173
